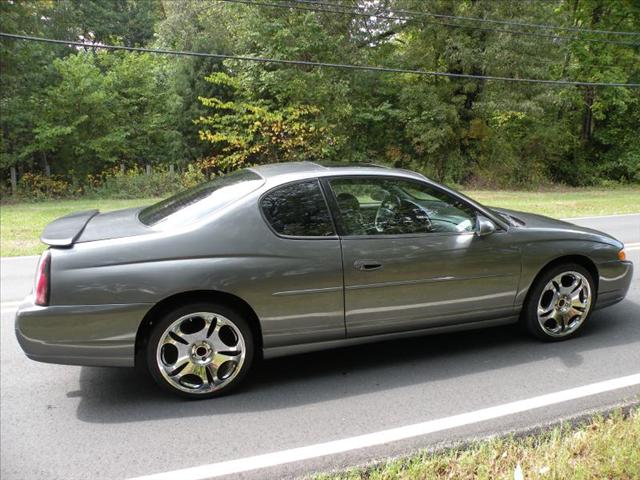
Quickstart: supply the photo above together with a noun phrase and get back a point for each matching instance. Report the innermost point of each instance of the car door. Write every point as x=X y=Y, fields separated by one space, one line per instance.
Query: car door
x=300 y=297
x=412 y=258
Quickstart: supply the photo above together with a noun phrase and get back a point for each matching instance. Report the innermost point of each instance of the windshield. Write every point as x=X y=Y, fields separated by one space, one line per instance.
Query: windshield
x=198 y=202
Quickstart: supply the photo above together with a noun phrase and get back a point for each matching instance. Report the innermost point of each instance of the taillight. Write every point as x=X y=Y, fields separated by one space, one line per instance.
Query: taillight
x=43 y=280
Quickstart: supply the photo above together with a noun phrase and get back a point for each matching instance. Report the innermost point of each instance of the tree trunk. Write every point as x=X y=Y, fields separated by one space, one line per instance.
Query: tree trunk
x=45 y=165
x=589 y=93
x=587 y=116
x=567 y=55
x=14 y=181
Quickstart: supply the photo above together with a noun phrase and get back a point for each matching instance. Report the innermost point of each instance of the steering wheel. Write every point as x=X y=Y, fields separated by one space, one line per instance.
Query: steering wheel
x=395 y=213
x=387 y=211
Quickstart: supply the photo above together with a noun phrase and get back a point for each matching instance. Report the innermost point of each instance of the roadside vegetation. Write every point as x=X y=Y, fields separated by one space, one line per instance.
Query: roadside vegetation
x=598 y=449
x=22 y=223
x=70 y=114
x=88 y=123
x=564 y=202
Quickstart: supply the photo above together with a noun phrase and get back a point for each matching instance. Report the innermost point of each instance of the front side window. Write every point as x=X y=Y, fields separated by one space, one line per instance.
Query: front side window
x=299 y=210
x=394 y=206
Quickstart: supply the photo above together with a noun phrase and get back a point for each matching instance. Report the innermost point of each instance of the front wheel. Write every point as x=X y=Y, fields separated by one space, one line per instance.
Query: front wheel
x=200 y=350
x=560 y=302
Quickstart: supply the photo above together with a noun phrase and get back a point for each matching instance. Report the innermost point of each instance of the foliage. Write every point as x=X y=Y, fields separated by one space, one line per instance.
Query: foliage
x=125 y=22
x=116 y=183
x=21 y=223
x=596 y=449
x=82 y=111
x=132 y=183
x=106 y=108
x=135 y=183
x=36 y=186
x=245 y=133
x=194 y=174
x=76 y=111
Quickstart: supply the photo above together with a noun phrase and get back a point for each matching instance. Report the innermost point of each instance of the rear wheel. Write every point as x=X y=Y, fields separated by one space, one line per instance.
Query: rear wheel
x=560 y=302
x=200 y=350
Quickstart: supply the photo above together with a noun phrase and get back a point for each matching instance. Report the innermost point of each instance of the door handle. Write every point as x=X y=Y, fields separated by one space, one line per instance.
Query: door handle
x=367 y=265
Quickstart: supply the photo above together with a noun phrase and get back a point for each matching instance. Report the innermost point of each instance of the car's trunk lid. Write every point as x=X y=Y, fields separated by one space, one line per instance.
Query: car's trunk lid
x=64 y=231
x=91 y=225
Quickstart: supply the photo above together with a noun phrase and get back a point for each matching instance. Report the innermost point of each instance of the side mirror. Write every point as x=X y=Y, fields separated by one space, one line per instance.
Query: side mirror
x=485 y=226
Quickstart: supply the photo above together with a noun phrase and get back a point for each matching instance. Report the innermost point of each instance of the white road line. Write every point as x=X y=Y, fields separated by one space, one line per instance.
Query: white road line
x=9 y=307
x=26 y=257
x=392 y=435
x=632 y=246
x=603 y=216
x=14 y=304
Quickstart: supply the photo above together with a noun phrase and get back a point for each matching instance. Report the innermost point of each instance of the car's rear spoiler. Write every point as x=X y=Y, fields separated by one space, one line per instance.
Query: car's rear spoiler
x=64 y=231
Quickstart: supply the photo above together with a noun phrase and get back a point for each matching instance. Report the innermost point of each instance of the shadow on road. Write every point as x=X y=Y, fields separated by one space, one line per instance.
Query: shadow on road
x=111 y=395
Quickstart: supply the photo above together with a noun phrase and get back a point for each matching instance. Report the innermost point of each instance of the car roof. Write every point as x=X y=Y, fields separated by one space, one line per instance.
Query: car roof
x=284 y=172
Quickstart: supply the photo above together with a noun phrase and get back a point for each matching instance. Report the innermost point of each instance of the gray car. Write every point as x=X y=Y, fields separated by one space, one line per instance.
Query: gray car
x=296 y=257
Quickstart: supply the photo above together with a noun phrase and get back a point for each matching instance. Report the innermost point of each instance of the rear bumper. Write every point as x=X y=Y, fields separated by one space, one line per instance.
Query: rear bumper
x=97 y=335
x=615 y=280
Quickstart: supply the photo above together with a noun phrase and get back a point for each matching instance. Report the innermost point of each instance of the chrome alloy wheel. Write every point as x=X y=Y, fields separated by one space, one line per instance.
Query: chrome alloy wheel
x=564 y=304
x=201 y=352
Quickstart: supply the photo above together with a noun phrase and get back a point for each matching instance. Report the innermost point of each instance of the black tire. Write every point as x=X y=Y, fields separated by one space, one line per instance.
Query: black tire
x=529 y=317
x=220 y=311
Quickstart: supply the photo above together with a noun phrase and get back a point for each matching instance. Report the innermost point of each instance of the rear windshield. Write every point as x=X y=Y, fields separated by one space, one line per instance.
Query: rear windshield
x=198 y=202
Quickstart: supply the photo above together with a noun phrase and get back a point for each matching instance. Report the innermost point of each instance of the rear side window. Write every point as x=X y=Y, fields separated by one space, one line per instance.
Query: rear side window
x=198 y=202
x=299 y=210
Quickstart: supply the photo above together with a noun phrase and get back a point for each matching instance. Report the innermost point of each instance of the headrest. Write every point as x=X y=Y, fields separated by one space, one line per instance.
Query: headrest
x=348 y=201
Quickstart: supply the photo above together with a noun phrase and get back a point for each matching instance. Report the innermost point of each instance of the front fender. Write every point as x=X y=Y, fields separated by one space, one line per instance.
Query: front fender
x=599 y=257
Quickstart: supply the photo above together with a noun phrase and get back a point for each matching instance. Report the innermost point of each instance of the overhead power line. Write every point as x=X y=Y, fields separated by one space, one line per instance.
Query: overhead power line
x=530 y=58
x=539 y=60
x=410 y=15
x=482 y=20
x=343 y=66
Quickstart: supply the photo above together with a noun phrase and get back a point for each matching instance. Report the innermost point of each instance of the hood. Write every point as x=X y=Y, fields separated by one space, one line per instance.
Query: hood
x=519 y=219
x=91 y=225
x=531 y=220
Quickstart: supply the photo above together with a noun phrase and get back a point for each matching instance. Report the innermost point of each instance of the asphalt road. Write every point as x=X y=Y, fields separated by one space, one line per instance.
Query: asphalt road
x=60 y=422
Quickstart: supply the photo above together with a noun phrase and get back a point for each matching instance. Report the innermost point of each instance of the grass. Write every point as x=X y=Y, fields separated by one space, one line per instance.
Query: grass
x=564 y=203
x=22 y=223
x=601 y=448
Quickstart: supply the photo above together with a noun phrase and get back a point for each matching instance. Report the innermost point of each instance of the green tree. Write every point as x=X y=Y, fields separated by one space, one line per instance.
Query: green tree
x=243 y=133
x=105 y=109
x=84 y=109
